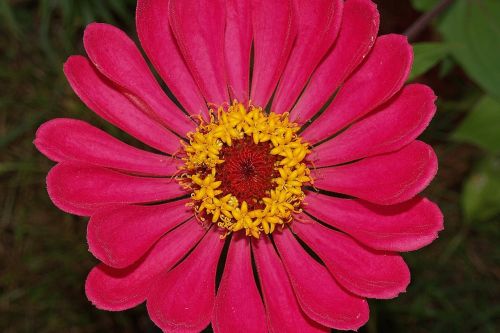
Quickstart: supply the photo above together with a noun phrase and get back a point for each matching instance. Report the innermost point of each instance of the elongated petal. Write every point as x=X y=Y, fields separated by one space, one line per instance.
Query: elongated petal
x=159 y=43
x=120 y=234
x=319 y=295
x=375 y=82
x=357 y=34
x=183 y=299
x=318 y=26
x=111 y=104
x=383 y=179
x=283 y=311
x=274 y=29
x=82 y=189
x=238 y=42
x=238 y=306
x=403 y=227
x=116 y=56
x=199 y=30
x=388 y=129
x=362 y=271
x=120 y=289
x=75 y=140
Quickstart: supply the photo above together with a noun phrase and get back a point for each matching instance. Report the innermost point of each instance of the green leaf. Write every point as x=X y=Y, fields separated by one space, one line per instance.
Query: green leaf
x=446 y=67
x=426 y=56
x=480 y=127
x=473 y=28
x=424 y=5
x=480 y=196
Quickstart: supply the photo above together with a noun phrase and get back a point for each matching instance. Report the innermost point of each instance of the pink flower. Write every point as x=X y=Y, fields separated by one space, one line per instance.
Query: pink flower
x=343 y=180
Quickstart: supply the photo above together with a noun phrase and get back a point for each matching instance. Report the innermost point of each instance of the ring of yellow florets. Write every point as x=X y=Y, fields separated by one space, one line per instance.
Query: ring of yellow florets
x=202 y=155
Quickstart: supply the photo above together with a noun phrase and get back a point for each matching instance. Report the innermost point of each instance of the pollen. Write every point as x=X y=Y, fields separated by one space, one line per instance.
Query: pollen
x=245 y=169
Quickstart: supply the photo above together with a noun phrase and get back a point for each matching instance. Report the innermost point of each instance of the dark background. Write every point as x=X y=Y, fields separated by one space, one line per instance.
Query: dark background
x=43 y=253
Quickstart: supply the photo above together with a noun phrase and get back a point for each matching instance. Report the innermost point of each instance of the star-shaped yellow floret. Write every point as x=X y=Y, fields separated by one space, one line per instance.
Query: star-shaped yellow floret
x=207 y=186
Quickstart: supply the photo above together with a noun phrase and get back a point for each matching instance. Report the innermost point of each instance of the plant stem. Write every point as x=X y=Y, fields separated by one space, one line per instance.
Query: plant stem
x=423 y=21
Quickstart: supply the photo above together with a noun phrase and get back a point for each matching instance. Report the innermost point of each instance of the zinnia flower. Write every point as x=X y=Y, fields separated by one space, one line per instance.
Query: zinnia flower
x=287 y=136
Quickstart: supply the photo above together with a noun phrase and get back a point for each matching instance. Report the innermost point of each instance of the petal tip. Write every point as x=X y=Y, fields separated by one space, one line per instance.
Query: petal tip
x=55 y=195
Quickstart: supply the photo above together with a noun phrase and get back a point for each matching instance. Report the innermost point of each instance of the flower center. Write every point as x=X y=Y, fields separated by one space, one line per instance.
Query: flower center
x=245 y=169
x=248 y=171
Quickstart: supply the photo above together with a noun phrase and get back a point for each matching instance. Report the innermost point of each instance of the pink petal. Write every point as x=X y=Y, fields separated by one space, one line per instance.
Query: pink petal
x=318 y=26
x=378 y=79
x=238 y=44
x=319 y=295
x=283 y=311
x=199 y=30
x=274 y=29
x=406 y=226
x=120 y=289
x=109 y=103
x=82 y=189
x=75 y=140
x=159 y=43
x=356 y=37
x=120 y=234
x=238 y=306
x=365 y=272
x=384 y=179
x=116 y=56
x=392 y=127
x=183 y=299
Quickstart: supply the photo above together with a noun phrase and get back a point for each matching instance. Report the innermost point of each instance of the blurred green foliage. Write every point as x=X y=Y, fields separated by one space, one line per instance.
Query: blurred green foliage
x=480 y=127
x=424 y=5
x=426 y=56
x=481 y=195
x=473 y=28
x=43 y=253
